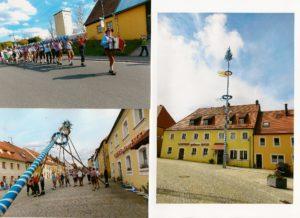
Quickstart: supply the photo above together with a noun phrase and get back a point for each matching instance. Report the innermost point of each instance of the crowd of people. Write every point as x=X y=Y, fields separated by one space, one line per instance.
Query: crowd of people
x=5 y=185
x=45 y=52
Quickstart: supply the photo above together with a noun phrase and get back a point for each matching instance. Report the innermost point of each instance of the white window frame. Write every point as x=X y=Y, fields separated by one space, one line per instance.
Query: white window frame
x=261 y=137
x=123 y=132
x=143 y=171
x=274 y=141
x=234 y=136
x=182 y=136
x=236 y=156
x=170 y=150
x=243 y=136
x=208 y=136
x=219 y=135
x=277 y=158
x=136 y=123
x=128 y=172
x=194 y=149
x=203 y=153
x=239 y=151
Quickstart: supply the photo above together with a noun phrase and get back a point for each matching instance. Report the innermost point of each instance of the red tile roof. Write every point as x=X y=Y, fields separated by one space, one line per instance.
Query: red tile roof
x=218 y=114
x=109 y=6
x=164 y=119
x=12 y=152
x=279 y=122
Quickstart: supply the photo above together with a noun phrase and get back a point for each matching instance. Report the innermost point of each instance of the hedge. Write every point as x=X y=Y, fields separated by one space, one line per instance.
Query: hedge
x=93 y=48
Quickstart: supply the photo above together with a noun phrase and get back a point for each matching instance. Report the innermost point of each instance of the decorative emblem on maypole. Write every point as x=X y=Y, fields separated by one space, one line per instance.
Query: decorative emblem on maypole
x=62 y=137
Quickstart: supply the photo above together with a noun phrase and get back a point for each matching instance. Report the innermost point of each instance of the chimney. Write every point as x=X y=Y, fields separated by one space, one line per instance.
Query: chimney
x=286 y=109
x=257 y=102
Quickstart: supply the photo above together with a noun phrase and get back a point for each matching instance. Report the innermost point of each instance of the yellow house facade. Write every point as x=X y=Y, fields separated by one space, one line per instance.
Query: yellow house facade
x=130 y=20
x=103 y=158
x=200 y=136
x=274 y=139
x=128 y=144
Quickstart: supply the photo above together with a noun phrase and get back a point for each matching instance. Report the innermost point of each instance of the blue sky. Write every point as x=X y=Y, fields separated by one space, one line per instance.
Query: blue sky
x=33 y=128
x=31 y=17
x=263 y=50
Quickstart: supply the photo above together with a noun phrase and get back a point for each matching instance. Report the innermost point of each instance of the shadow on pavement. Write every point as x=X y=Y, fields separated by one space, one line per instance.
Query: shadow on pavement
x=43 y=67
x=137 y=64
x=82 y=76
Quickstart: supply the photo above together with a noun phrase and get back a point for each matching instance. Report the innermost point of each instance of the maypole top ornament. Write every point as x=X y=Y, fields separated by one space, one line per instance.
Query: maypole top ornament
x=62 y=137
x=228 y=55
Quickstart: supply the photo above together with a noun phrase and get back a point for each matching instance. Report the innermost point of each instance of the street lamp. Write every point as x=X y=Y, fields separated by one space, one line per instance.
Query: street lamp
x=227 y=97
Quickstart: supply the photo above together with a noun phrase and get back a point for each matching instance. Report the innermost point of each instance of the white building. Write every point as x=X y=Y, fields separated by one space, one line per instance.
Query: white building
x=63 y=23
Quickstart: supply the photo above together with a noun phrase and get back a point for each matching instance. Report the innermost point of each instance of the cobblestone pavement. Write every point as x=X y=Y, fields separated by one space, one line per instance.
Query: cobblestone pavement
x=191 y=182
x=80 y=202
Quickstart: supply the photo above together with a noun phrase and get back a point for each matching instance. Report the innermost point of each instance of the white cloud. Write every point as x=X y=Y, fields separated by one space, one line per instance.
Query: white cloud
x=186 y=78
x=4 y=32
x=33 y=31
x=12 y=12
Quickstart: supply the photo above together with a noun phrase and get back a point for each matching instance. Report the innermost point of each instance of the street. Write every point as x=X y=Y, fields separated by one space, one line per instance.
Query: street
x=51 y=86
x=80 y=202
x=190 y=182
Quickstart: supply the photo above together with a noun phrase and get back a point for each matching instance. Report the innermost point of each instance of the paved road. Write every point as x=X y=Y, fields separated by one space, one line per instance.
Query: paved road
x=80 y=202
x=191 y=182
x=49 y=86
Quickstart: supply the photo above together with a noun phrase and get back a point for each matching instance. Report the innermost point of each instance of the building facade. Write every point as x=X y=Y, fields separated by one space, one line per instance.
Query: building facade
x=130 y=19
x=274 y=139
x=63 y=23
x=128 y=148
x=103 y=158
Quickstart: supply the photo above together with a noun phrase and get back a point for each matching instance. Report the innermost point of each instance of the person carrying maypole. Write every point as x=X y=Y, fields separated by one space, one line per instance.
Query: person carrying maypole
x=81 y=40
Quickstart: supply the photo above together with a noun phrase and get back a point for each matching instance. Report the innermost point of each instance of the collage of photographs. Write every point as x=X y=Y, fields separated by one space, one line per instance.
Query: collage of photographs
x=148 y=108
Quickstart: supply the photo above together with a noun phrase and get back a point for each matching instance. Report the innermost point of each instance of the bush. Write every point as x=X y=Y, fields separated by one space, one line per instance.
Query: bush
x=284 y=169
x=211 y=161
x=93 y=48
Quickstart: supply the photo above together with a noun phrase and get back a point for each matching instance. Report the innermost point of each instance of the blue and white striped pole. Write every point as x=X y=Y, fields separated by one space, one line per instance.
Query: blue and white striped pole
x=13 y=192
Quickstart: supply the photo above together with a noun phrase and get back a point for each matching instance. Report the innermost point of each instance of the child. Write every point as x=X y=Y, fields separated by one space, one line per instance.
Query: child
x=70 y=52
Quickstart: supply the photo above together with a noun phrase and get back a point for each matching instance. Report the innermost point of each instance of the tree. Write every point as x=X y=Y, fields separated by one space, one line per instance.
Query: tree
x=23 y=42
x=34 y=39
x=51 y=28
x=79 y=18
x=8 y=44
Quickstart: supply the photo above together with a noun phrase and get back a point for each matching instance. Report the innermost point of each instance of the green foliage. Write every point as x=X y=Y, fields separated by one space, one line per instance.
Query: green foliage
x=93 y=48
x=23 y=42
x=4 y=45
x=34 y=39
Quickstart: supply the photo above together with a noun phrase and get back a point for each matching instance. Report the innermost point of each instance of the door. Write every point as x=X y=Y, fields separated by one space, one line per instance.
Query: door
x=181 y=154
x=220 y=157
x=258 y=161
x=120 y=170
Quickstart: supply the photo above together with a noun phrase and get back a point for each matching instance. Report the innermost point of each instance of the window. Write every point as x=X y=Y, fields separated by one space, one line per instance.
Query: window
x=109 y=25
x=233 y=154
x=172 y=136
x=292 y=141
x=194 y=151
x=221 y=135
x=116 y=140
x=3 y=165
x=243 y=155
x=245 y=135
x=262 y=141
x=143 y=157
x=266 y=124
x=169 y=150
x=12 y=166
x=196 y=136
x=276 y=141
x=138 y=116
x=205 y=151
x=232 y=135
x=277 y=159
x=183 y=136
x=99 y=29
x=125 y=129
x=128 y=163
x=18 y=166
x=241 y=121
x=206 y=136
x=205 y=122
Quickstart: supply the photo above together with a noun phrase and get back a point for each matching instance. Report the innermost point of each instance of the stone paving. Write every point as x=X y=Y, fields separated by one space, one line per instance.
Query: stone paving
x=80 y=202
x=191 y=182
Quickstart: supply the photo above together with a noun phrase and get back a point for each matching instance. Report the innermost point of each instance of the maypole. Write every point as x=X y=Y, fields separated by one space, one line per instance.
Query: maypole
x=58 y=138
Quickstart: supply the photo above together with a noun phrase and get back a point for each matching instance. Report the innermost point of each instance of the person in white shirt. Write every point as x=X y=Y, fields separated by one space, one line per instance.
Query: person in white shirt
x=80 y=178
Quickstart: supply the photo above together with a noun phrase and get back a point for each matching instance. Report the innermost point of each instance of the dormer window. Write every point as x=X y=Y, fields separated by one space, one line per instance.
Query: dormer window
x=243 y=118
x=266 y=124
x=208 y=120
x=195 y=121
x=241 y=121
x=232 y=120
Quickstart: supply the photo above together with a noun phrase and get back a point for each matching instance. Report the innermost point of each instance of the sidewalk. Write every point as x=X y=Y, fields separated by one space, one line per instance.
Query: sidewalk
x=135 y=59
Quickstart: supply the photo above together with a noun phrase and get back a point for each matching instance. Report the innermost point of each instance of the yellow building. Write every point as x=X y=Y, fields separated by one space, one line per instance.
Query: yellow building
x=164 y=121
x=128 y=143
x=200 y=136
x=90 y=162
x=129 y=18
x=103 y=158
x=274 y=139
